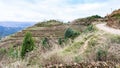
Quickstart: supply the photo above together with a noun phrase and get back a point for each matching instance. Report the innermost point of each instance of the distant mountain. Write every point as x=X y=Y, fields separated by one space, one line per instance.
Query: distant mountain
x=5 y=31
x=7 y=28
x=15 y=24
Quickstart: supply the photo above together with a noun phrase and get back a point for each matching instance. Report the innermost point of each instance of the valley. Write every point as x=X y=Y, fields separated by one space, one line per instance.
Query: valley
x=7 y=28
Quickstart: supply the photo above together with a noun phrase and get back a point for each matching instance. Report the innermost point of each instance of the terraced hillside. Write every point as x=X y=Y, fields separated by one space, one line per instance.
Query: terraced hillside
x=49 y=29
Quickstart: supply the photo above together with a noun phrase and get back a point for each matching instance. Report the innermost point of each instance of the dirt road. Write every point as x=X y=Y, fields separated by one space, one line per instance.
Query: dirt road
x=108 y=29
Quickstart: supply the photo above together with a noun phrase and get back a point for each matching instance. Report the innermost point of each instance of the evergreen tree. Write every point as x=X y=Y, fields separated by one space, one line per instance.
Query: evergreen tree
x=68 y=33
x=28 y=44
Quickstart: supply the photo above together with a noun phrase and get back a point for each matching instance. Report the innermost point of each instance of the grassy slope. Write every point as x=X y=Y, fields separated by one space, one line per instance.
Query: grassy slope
x=81 y=49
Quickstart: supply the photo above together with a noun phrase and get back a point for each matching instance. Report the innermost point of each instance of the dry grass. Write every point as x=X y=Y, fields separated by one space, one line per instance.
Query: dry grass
x=70 y=53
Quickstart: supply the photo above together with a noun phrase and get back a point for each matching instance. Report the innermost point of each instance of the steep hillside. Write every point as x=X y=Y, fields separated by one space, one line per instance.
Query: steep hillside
x=114 y=19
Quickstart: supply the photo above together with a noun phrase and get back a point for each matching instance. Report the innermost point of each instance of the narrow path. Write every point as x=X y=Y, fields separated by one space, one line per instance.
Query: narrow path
x=84 y=47
x=108 y=29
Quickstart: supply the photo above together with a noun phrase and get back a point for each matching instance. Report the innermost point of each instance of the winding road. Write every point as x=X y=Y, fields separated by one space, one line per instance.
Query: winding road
x=108 y=29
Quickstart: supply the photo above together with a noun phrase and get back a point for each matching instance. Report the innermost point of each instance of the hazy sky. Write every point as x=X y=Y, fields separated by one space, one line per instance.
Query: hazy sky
x=65 y=10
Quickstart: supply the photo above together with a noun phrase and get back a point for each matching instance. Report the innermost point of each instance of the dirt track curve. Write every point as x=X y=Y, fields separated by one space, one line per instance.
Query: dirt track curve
x=108 y=29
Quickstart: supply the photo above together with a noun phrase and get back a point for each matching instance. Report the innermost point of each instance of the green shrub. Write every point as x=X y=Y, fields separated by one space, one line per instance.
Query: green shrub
x=2 y=52
x=90 y=28
x=13 y=53
x=115 y=39
x=45 y=42
x=60 y=41
x=78 y=58
x=70 y=33
x=28 y=44
x=101 y=55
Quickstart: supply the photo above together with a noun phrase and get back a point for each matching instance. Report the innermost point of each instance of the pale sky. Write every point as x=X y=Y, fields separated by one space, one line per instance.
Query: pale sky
x=65 y=10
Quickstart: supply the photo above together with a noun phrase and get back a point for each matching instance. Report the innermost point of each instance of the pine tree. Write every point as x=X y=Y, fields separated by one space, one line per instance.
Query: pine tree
x=28 y=44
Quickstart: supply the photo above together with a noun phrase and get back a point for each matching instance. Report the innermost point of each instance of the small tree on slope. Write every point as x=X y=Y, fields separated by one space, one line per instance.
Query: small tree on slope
x=28 y=44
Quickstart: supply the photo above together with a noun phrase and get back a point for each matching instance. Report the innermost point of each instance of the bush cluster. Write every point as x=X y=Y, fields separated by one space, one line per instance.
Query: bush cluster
x=70 y=33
